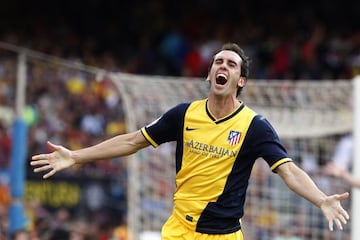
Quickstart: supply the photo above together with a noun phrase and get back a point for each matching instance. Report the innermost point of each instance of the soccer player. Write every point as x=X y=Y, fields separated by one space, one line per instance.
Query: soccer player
x=218 y=140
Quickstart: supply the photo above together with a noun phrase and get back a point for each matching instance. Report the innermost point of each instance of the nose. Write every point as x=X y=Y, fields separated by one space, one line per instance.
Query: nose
x=223 y=65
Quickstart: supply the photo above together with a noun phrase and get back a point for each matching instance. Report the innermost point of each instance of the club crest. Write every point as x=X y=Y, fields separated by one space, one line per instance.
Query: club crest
x=234 y=137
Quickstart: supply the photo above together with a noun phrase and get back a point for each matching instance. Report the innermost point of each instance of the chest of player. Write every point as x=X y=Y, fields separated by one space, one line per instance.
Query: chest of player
x=208 y=139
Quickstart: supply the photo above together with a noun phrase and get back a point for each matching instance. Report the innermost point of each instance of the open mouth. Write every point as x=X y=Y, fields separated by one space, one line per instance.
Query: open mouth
x=221 y=79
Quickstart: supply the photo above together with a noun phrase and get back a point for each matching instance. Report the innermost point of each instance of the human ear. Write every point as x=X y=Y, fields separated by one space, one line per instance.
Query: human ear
x=242 y=82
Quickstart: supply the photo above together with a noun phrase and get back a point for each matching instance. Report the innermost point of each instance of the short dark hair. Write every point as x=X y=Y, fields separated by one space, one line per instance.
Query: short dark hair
x=245 y=63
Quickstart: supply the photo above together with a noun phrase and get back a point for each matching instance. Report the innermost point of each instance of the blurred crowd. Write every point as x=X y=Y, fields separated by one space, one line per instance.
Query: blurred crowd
x=155 y=38
x=301 y=41
x=65 y=106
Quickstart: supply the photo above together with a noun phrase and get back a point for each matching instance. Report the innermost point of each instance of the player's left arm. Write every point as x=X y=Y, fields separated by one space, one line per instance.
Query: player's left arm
x=301 y=183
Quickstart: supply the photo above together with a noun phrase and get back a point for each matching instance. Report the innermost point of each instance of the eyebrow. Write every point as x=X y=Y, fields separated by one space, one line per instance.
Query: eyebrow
x=230 y=60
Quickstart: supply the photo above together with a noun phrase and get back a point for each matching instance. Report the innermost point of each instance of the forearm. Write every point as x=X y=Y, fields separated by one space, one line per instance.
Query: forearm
x=300 y=182
x=121 y=145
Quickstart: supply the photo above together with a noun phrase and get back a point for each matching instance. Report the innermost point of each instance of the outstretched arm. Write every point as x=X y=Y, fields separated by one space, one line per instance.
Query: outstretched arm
x=300 y=182
x=61 y=158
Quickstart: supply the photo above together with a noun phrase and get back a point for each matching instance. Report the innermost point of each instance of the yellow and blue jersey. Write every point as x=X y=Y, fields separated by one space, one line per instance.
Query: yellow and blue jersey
x=214 y=159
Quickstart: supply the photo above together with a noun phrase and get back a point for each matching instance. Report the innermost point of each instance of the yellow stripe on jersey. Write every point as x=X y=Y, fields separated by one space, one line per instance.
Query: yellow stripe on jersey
x=278 y=163
x=147 y=136
x=209 y=153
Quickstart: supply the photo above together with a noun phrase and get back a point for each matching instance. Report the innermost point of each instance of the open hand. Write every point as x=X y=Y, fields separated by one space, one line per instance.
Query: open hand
x=333 y=210
x=53 y=162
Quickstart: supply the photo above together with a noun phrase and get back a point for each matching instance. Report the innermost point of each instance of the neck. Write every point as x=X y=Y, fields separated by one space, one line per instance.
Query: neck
x=222 y=107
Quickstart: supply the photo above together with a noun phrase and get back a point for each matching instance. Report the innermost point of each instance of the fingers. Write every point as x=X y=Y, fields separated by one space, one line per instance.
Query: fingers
x=43 y=168
x=53 y=146
x=40 y=157
x=49 y=174
x=342 y=219
x=343 y=196
x=345 y=213
x=338 y=224
x=340 y=216
x=331 y=225
x=39 y=162
x=334 y=212
x=43 y=161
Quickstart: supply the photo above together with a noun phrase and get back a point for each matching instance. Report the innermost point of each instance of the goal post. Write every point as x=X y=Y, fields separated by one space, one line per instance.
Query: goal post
x=310 y=117
x=355 y=234
x=17 y=218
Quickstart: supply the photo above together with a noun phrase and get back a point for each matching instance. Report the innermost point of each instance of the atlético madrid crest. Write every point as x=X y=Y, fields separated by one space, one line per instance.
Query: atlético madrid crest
x=234 y=137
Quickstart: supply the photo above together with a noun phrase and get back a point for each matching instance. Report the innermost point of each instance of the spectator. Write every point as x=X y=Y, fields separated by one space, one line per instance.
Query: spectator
x=341 y=163
x=21 y=234
x=348 y=177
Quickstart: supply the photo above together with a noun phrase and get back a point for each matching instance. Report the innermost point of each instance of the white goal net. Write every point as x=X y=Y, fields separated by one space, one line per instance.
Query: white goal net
x=310 y=117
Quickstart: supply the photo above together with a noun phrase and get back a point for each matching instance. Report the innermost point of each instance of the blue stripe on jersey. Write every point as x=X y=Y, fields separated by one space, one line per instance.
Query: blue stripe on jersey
x=169 y=128
x=261 y=141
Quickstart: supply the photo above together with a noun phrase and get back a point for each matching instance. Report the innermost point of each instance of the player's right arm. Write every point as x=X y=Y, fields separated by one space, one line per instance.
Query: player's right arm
x=61 y=158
